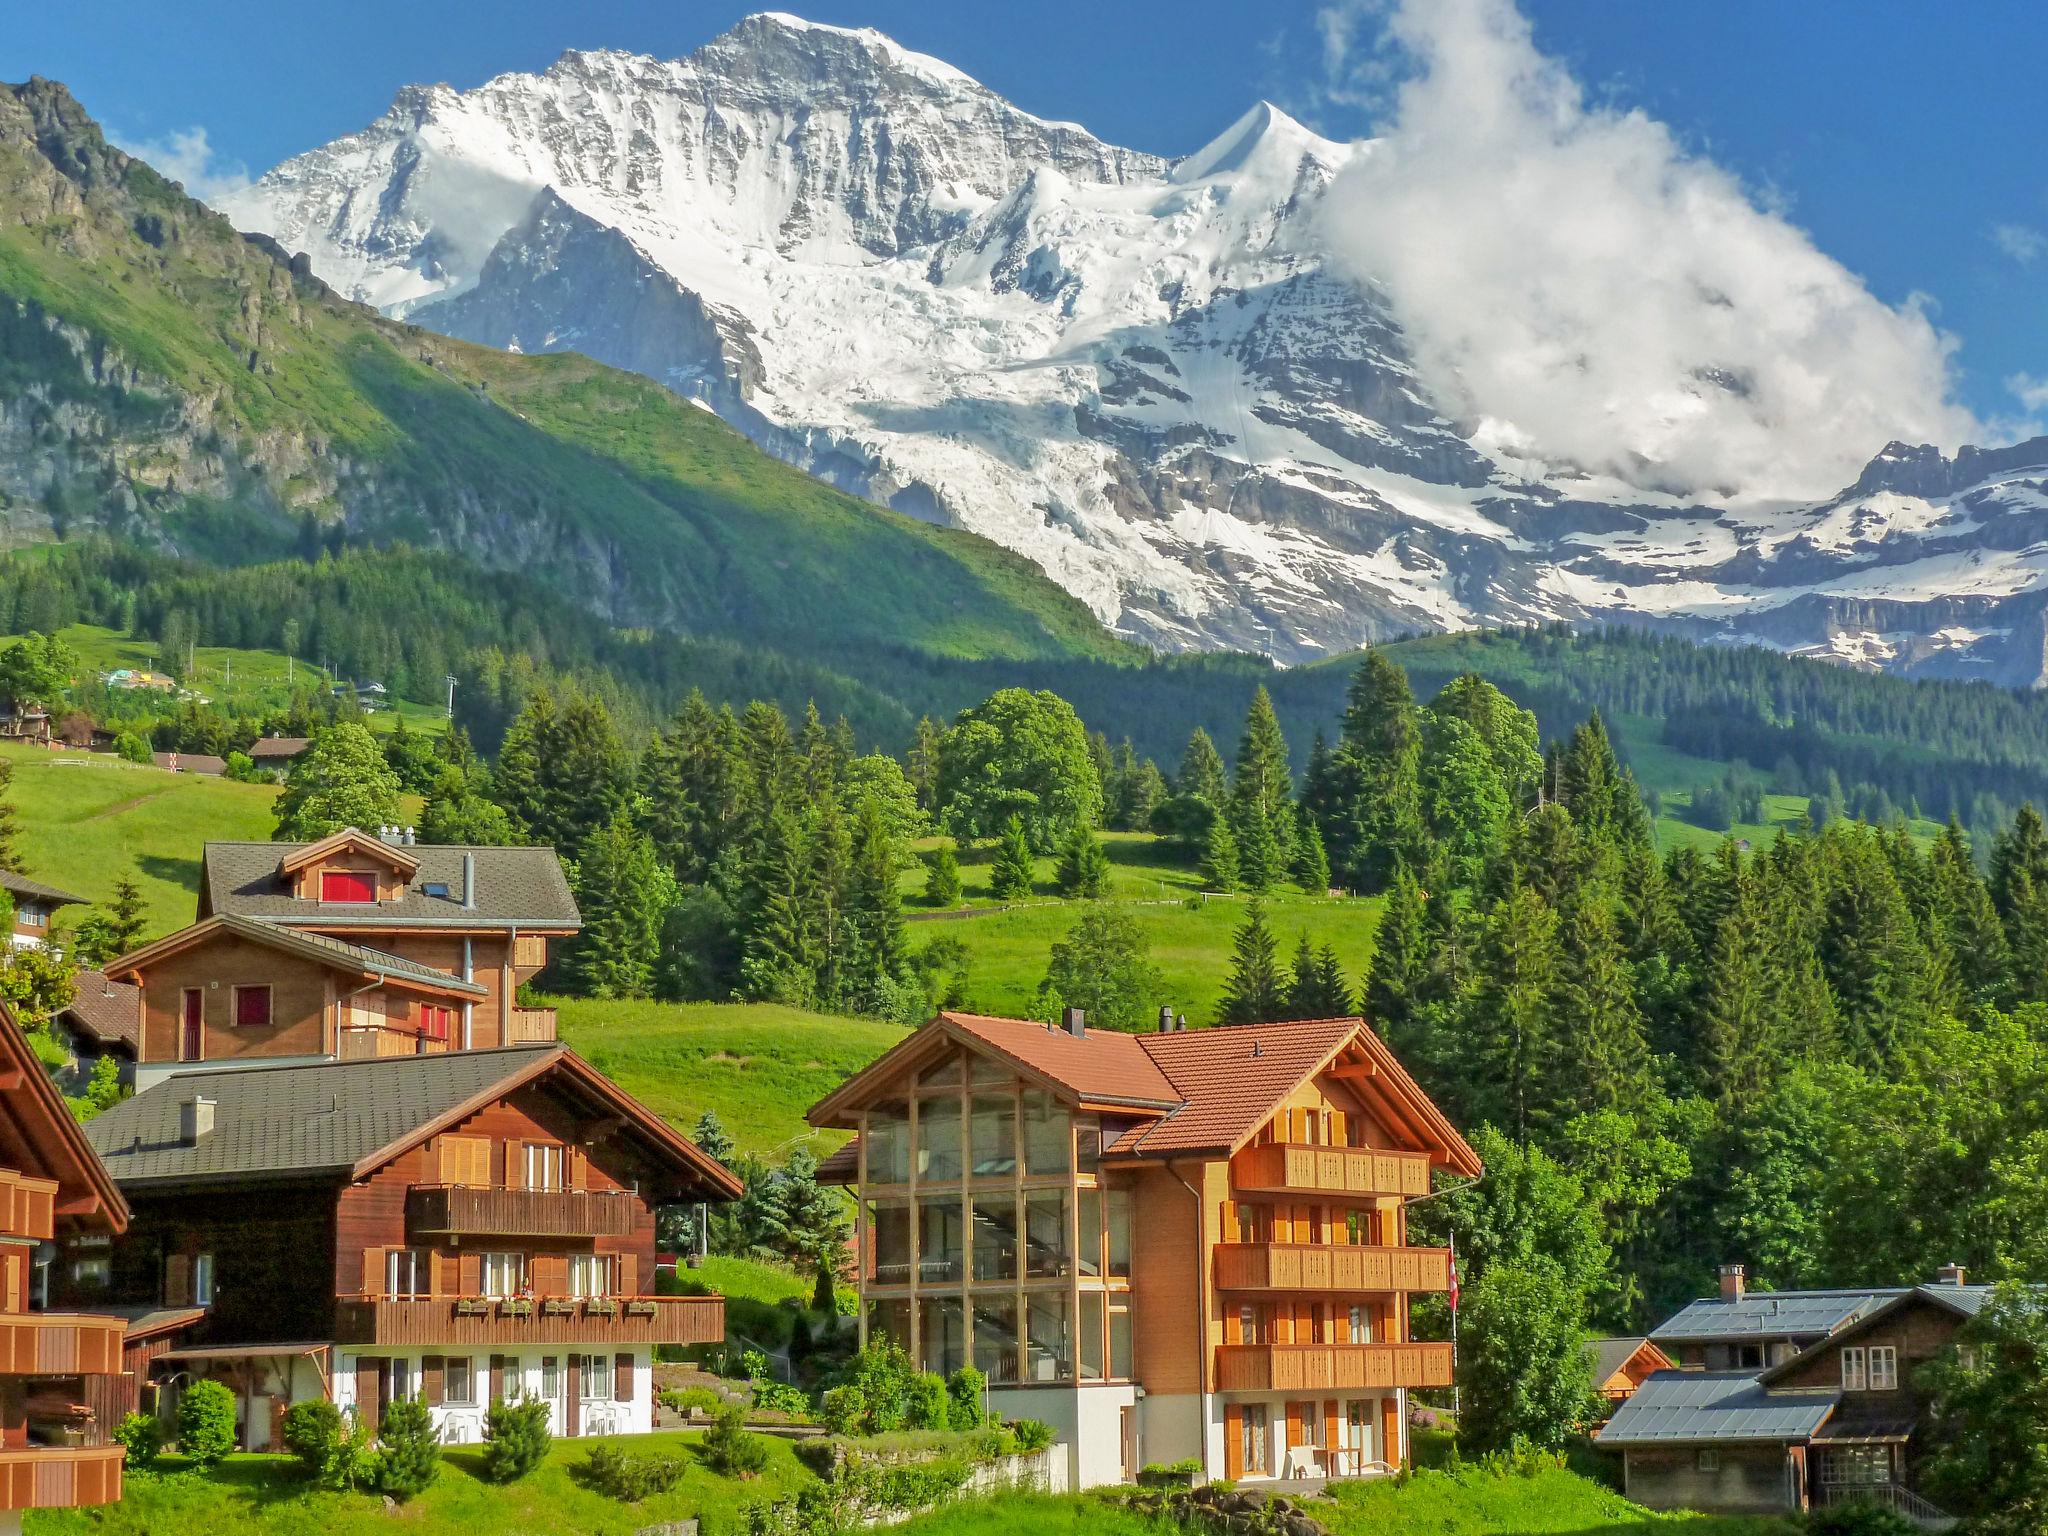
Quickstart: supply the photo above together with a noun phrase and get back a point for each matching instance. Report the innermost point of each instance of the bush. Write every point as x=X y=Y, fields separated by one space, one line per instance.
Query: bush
x=684 y=1399
x=844 y=1410
x=925 y=1405
x=516 y=1439
x=1174 y=1474
x=206 y=1422
x=882 y=1372
x=967 y=1389
x=143 y=1435
x=1032 y=1435
x=312 y=1430
x=411 y=1458
x=629 y=1479
x=1862 y=1517
x=134 y=748
x=730 y=1450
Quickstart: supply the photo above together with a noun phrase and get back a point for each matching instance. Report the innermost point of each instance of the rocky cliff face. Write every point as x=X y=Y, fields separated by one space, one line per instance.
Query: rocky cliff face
x=1144 y=375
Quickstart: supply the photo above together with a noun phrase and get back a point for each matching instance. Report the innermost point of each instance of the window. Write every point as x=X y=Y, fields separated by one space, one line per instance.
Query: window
x=941 y=1333
x=1361 y=1325
x=1048 y=1135
x=995 y=1237
x=1118 y=1203
x=543 y=1166
x=992 y=1130
x=1854 y=1376
x=1119 y=1342
x=1091 y=1335
x=1087 y=1144
x=1049 y=1356
x=436 y=1023
x=30 y=916
x=938 y=1140
x=434 y=888
x=888 y=1147
x=1884 y=1368
x=402 y=1381
x=252 y=1007
x=349 y=885
x=597 y=1378
x=1047 y=1253
x=504 y=1274
x=1252 y=1450
x=94 y=1273
x=590 y=1274
x=1089 y=1227
x=550 y=1378
x=995 y=1336
x=202 y=1280
x=1709 y=1460
x=409 y=1272
x=1248 y=1324
x=941 y=1240
x=458 y=1381
x=889 y=1238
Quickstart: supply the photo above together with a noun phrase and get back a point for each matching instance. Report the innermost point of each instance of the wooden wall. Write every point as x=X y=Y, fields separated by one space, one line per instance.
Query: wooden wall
x=299 y=999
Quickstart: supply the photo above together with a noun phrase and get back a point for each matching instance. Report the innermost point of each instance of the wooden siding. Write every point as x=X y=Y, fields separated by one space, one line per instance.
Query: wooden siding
x=1166 y=1300
x=1289 y=1168
x=1330 y=1267
x=441 y=1209
x=55 y=1477
x=28 y=1207
x=298 y=1001
x=1334 y=1367
x=531 y=1026
x=59 y=1344
x=395 y=1323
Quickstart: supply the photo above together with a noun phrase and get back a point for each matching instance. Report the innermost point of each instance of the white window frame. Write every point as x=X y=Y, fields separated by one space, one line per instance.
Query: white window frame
x=1855 y=1369
x=595 y=1366
x=466 y=1396
x=551 y=1377
x=1884 y=1368
x=405 y=1378
x=1360 y=1324
x=419 y=1262
x=546 y=1166
x=202 y=1280
x=589 y=1275
x=510 y=1279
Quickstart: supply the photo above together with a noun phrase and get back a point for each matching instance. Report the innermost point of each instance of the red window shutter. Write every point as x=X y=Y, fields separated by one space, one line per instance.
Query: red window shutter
x=347 y=885
x=622 y=1378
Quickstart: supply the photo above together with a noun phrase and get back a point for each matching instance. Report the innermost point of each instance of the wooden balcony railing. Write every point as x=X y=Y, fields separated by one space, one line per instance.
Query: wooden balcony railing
x=1333 y=1367
x=60 y=1477
x=529 y=951
x=1330 y=1267
x=531 y=1026
x=397 y=1320
x=28 y=1206
x=59 y=1344
x=362 y=1043
x=462 y=1211
x=1290 y=1168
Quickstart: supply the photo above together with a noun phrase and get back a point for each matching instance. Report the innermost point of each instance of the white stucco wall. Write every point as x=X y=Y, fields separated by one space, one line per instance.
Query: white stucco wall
x=1087 y=1425
x=463 y=1424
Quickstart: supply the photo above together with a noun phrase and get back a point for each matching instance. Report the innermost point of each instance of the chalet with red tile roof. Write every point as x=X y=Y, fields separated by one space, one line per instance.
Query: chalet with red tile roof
x=1174 y=1245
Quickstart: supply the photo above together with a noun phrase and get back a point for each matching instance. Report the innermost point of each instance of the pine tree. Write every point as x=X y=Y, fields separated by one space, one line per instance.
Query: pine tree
x=1976 y=938
x=1871 y=951
x=1738 y=1053
x=1261 y=864
x=942 y=880
x=127 y=920
x=1255 y=991
x=518 y=781
x=1376 y=823
x=1083 y=871
x=1606 y=1064
x=1009 y=878
x=1201 y=771
x=781 y=963
x=1399 y=972
x=712 y=1139
x=10 y=824
x=1220 y=871
x=924 y=764
x=828 y=865
x=1261 y=797
x=874 y=915
x=1317 y=989
x=1311 y=863
x=623 y=895
x=1507 y=1057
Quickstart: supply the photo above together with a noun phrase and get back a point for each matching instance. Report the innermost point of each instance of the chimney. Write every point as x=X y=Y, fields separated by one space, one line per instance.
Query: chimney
x=1165 y=1020
x=468 y=881
x=1734 y=1284
x=407 y=838
x=1949 y=1274
x=1180 y=1021
x=195 y=1120
x=1076 y=1022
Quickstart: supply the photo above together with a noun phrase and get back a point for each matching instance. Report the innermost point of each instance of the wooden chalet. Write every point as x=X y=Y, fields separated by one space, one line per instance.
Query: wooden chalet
x=1620 y=1365
x=34 y=905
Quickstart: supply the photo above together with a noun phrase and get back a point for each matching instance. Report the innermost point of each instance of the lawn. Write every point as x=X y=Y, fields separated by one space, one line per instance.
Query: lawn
x=268 y=1496
x=758 y=1065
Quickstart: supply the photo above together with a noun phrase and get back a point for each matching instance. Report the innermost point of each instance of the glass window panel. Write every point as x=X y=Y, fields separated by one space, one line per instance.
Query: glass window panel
x=938 y=1140
x=1118 y=1203
x=995 y=1237
x=995 y=1337
x=888 y=1146
x=985 y=1072
x=941 y=1334
x=1091 y=1335
x=1120 y=1343
x=1087 y=1143
x=1046 y=1252
x=889 y=1238
x=947 y=1071
x=1088 y=1254
x=890 y=1320
x=941 y=1240
x=993 y=1132
x=1047 y=1129
x=1049 y=1356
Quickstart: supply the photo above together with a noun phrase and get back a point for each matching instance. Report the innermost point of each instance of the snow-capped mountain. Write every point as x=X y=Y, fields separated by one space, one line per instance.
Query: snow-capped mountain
x=1144 y=374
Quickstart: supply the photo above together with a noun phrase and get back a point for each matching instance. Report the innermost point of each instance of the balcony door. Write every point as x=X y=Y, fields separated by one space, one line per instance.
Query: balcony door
x=192 y=1025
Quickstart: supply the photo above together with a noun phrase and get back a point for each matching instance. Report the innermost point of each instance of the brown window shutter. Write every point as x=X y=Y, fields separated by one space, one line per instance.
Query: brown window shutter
x=551 y=1274
x=1333 y=1426
x=1296 y=1430
x=469 y=1268
x=369 y=1389
x=497 y=1383
x=629 y=1274
x=177 y=1280
x=438 y=1272
x=373 y=1271
x=515 y=1165
x=577 y=1171
x=1233 y=1441
x=622 y=1378
x=430 y=1379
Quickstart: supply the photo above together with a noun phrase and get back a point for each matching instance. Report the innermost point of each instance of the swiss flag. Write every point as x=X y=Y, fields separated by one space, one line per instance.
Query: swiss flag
x=1453 y=1293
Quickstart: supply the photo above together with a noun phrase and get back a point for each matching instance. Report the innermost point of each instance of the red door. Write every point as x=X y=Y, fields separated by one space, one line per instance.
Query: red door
x=192 y=1035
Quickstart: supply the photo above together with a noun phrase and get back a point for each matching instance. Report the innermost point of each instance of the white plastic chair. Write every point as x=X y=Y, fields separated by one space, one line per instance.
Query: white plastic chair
x=1301 y=1462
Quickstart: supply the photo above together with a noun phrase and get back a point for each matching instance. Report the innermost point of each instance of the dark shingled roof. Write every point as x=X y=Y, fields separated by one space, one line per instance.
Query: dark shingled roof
x=1694 y=1407
x=333 y=951
x=514 y=886
x=278 y=746
x=35 y=890
x=106 y=1011
x=1610 y=1355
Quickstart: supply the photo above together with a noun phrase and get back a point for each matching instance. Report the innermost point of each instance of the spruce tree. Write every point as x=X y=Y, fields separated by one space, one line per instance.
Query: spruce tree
x=781 y=961
x=1506 y=1059
x=1318 y=989
x=622 y=894
x=1377 y=821
x=1256 y=990
x=1260 y=862
x=1398 y=976
x=1606 y=1063
x=10 y=824
x=1738 y=1053
x=828 y=866
x=1976 y=938
x=1201 y=771
x=942 y=878
x=874 y=915
x=1220 y=870
x=1009 y=878
x=1311 y=863
x=127 y=919
x=1083 y=870
x=1261 y=796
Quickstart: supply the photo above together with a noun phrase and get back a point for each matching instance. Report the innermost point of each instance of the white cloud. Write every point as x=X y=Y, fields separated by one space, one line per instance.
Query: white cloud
x=2023 y=244
x=2032 y=393
x=1577 y=285
x=185 y=156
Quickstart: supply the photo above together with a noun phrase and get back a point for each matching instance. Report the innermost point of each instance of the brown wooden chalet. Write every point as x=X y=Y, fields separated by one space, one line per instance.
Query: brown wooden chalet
x=464 y=1226
x=34 y=905
x=354 y=946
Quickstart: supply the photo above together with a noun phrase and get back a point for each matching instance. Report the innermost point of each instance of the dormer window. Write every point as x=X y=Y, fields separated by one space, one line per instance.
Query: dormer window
x=348 y=885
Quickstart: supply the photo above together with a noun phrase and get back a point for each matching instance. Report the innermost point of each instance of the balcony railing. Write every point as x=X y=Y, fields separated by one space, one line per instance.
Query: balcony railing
x=1330 y=1267
x=59 y=1344
x=397 y=1320
x=363 y=1043
x=28 y=1206
x=1292 y=1168
x=1320 y=1367
x=60 y=1477
x=462 y=1211
x=531 y=1026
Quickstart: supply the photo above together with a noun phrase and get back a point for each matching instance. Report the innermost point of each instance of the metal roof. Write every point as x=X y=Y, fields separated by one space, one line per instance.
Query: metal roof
x=514 y=887
x=1679 y=1407
x=1770 y=1315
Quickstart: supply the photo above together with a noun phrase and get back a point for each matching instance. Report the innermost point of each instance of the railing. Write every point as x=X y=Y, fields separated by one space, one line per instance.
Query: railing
x=530 y=1320
x=1318 y=1367
x=531 y=1026
x=1292 y=1168
x=1890 y=1496
x=529 y=951
x=1330 y=1267
x=60 y=1477
x=364 y=1043
x=59 y=1344
x=28 y=1206
x=463 y=1210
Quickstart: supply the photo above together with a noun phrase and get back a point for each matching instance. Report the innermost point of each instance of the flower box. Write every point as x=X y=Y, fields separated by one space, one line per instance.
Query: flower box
x=641 y=1309
x=601 y=1306
x=516 y=1306
x=472 y=1306
x=556 y=1306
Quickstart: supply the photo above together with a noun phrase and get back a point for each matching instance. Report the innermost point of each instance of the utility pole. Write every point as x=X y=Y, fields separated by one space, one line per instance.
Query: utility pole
x=451 y=697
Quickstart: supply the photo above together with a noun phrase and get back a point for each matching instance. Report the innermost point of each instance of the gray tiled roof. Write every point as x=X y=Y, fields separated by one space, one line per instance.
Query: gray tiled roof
x=1610 y=1355
x=320 y=946
x=108 y=1011
x=1676 y=1407
x=1770 y=1315
x=276 y=1122
x=35 y=890
x=513 y=886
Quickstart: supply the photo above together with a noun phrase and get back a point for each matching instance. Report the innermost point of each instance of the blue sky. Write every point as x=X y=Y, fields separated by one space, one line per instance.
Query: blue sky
x=1903 y=134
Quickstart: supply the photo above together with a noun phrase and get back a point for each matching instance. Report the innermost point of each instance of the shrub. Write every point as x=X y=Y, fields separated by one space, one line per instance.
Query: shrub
x=882 y=1372
x=629 y=1479
x=1861 y=1517
x=1173 y=1474
x=730 y=1450
x=312 y=1430
x=967 y=1388
x=685 y=1399
x=143 y=1435
x=516 y=1439
x=770 y=1394
x=411 y=1458
x=1421 y=1417
x=134 y=748
x=1032 y=1435
x=206 y=1422
x=925 y=1405
x=844 y=1410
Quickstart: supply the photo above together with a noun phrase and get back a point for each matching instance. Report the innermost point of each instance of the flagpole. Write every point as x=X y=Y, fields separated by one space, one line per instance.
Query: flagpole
x=1457 y=1403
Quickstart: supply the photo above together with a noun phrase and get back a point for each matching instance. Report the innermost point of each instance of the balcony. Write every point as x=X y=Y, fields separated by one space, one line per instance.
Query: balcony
x=1291 y=1168
x=59 y=1344
x=28 y=1207
x=531 y=1026
x=1331 y=1367
x=396 y=1320
x=458 y=1210
x=1330 y=1267
x=60 y=1477
x=363 y=1043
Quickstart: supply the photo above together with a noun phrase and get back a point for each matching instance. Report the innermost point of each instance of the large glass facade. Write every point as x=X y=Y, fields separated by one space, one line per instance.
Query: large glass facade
x=1118 y=1203
x=995 y=1335
x=942 y=1338
x=941 y=1240
x=888 y=1145
x=938 y=1140
x=889 y=1240
x=1047 y=1252
x=1049 y=1344
x=1048 y=1137
x=993 y=1133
